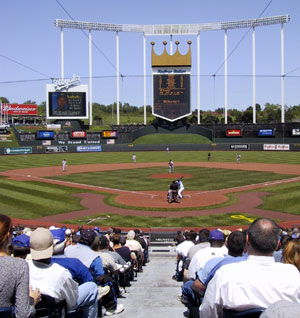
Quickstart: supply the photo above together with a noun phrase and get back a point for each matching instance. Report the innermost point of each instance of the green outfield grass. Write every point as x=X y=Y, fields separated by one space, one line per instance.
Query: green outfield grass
x=21 y=161
x=170 y=139
x=138 y=221
x=202 y=178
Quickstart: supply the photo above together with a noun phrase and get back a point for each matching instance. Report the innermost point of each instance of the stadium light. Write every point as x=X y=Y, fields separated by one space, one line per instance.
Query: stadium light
x=163 y=29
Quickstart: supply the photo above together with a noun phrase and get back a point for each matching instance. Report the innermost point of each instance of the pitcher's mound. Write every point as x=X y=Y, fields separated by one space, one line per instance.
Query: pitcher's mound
x=173 y=176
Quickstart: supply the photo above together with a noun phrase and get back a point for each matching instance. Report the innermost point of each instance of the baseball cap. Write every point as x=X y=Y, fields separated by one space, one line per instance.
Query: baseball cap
x=216 y=235
x=41 y=244
x=130 y=235
x=87 y=237
x=21 y=240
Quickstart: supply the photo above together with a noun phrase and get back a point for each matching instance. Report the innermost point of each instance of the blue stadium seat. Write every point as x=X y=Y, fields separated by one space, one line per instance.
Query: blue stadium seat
x=6 y=312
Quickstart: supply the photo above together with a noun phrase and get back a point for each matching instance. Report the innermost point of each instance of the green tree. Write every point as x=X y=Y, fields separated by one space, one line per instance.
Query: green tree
x=4 y=100
x=30 y=102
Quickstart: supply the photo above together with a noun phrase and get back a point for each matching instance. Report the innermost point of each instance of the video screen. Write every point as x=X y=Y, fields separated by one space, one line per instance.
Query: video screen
x=67 y=104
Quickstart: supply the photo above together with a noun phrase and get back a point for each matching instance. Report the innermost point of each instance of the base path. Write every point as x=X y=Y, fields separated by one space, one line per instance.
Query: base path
x=93 y=203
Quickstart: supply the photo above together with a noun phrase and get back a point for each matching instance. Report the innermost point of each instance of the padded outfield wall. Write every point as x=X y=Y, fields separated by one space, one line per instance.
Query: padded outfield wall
x=257 y=137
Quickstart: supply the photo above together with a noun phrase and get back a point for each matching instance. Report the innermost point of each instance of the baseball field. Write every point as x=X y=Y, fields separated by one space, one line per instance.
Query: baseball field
x=108 y=189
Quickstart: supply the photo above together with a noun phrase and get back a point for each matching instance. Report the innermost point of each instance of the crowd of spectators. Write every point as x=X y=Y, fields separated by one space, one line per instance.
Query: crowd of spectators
x=86 y=272
x=254 y=272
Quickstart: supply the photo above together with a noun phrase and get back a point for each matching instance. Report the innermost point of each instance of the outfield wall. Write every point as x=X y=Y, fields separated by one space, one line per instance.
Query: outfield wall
x=134 y=148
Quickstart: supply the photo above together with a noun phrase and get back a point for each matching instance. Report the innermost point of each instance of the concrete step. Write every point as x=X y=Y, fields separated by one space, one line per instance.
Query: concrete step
x=154 y=293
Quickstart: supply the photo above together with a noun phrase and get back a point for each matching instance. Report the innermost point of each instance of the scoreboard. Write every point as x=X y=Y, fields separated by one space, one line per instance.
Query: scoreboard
x=171 y=95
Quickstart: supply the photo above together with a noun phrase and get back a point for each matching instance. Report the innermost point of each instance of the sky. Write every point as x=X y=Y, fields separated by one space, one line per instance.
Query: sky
x=30 y=49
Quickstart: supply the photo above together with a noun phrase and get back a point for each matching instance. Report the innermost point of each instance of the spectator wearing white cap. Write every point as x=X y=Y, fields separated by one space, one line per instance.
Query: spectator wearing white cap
x=56 y=281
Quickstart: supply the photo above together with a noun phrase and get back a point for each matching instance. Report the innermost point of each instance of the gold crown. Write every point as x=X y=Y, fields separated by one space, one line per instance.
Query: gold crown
x=165 y=59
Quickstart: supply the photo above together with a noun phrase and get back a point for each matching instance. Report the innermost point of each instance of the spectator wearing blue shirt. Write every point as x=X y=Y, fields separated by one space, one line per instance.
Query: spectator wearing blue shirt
x=93 y=262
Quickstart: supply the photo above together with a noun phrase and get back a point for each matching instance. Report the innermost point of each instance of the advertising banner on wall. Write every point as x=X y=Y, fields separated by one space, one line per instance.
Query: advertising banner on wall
x=109 y=134
x=45 y=134
x=17 y=150
x=78 y=134
x=266 y=132
x=276 y=147
x=296 y=132
x=54 y=149
x=89 y=148
x=239 y=147
x=19 y=109
x=233 y=132
x=53 y=126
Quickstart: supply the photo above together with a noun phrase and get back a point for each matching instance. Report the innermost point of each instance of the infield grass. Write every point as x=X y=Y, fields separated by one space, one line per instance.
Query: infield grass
x=202 y=178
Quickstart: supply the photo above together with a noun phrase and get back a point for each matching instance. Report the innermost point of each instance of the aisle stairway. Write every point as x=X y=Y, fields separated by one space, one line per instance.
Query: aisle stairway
x=154 y=293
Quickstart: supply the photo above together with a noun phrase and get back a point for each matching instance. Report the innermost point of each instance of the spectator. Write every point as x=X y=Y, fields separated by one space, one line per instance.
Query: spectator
x=80 y=273
x=278 y=253
x=192 y=291
x=14 y=276
x=202 y=242
x=217 y=248
x=119 y=247
x=291 y=253
x=56 y=281
x=92 y=260
x=256 y=282
x=135 y=248
x=183 y=248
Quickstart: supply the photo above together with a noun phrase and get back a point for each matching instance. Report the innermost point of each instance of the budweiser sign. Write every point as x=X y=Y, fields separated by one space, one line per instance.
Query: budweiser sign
x=19 y=109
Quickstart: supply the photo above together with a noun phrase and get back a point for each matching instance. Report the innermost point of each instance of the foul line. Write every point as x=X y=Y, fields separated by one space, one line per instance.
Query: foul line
x=80 y=184
x=263 y=184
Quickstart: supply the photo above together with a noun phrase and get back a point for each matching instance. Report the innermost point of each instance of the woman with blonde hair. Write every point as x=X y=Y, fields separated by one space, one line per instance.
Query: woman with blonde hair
x=14 y=276
x=291 y=253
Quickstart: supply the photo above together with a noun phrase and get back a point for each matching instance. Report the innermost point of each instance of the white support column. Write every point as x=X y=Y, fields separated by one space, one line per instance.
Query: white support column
x=282 y=76
x=198 y=75
x=253 y=76
x=225 y=77
x=90 y=79
x=171 y=44
x=145 y=81
x=62 y=70
x=118 y=80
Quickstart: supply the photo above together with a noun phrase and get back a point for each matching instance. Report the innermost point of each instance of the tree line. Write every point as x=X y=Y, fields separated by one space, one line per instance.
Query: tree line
x=269 y=113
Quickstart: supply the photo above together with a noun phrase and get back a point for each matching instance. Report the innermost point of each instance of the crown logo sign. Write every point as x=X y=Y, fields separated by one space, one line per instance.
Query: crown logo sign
x=165 y=59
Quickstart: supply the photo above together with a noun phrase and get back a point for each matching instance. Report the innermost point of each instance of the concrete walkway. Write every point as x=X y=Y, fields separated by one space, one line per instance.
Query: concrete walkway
x=154 y=293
